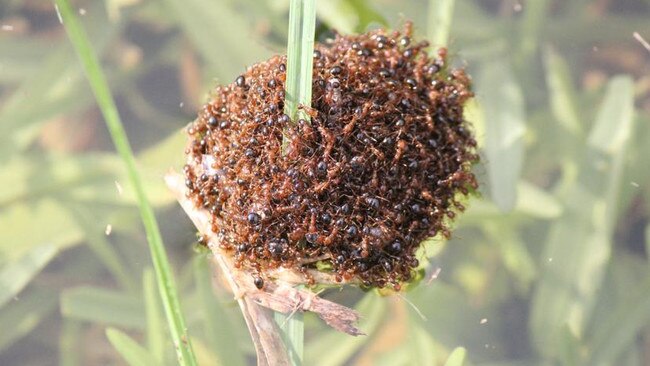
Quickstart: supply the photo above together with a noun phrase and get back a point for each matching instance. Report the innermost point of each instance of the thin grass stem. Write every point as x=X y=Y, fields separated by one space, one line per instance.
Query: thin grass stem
x=300 y=49
x=440 y=16
x=99 y=85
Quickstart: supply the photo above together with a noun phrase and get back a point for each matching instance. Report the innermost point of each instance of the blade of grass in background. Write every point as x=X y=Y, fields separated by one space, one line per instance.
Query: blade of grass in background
x=457 y=357
x=155 y=325
x=99 y=244
x=579 y=244
x=562 y=92
x=15 y=276
x=19 y=318
x=70 y=343
x=503 y=103
x=210 y=26
x=340 y=347
x=440 y=15
x=106 y=103
x=218 y=329
x=103 y=306
x=133 y=353
x=618 y=331
x=535 y=15
x=300 y=59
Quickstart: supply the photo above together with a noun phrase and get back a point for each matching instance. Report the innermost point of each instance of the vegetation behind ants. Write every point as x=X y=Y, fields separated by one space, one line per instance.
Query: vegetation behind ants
x=548 y=266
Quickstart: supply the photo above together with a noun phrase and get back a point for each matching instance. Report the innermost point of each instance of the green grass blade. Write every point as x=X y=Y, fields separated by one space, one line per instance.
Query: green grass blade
x=615 y=334
x=578 y=248
x=218 y=328
x=210 y=26
x=155 y=326
x=19 y=318
x=562 y=93
x=101 y=247
x=103 y=306
x=293 y=329
x=341 y=347
x=440 y=15
x=16 y=275
x=535 y=15
x=300 y=48
x=503 y=103
x=69 y=343
x=457 y=357
x=106 y=103
x=133 y=353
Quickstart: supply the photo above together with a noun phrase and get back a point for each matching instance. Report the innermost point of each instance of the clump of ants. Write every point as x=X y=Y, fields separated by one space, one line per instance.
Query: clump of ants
x=381 y=164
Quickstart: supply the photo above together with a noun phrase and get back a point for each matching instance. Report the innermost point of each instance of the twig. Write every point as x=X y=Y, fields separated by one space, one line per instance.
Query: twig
x=641 y=40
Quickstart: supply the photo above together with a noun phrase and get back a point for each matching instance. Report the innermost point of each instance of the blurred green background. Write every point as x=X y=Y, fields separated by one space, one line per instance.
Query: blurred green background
x=548 y=267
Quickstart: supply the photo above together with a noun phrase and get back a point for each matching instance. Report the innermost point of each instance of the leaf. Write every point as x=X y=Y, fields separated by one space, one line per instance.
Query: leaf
x=156 y=340
x=647 y=238
x=218 y=328
x=535 y=15
x=130 y=350
x=367 y=15
x=16 y=275
x=56 y=88
x=570 y=352
x=20 y=317
x=618 y=328
x=450 y=319
x=210 y=26
x=18 y=236
x=473 y=112
x=561 y=92
x=103 y=306
x=339 y=15
x=614 y=120
x=159 y=158
x=420 y=345
x=21 y=57
x=503 y=104
x=104 y=98
x=101 y=247
x=457 y=357
x=532 y=202
x=439 y=22
x=69 y=343
x=340 y=347
x=89 y=178
x=514 y=253
x=578 y=247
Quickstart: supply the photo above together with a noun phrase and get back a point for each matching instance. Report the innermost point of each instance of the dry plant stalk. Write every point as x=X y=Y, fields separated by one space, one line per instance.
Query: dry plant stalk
x=278 y=295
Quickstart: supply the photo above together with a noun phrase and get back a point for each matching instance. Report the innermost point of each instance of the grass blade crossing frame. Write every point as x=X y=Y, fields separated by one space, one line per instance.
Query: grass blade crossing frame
x=300 y=59
x=440 y=15
x=300 y=53
x=107 y=106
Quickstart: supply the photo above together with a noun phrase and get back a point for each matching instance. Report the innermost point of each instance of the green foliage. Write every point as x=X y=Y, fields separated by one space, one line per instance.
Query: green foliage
x=547 y=266
x=300 y=51
x=104 y=99
x=133 y=353
x=457 y=357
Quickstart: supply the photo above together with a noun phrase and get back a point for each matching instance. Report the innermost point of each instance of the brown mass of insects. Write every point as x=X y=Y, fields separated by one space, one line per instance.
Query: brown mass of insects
x=378 y=169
